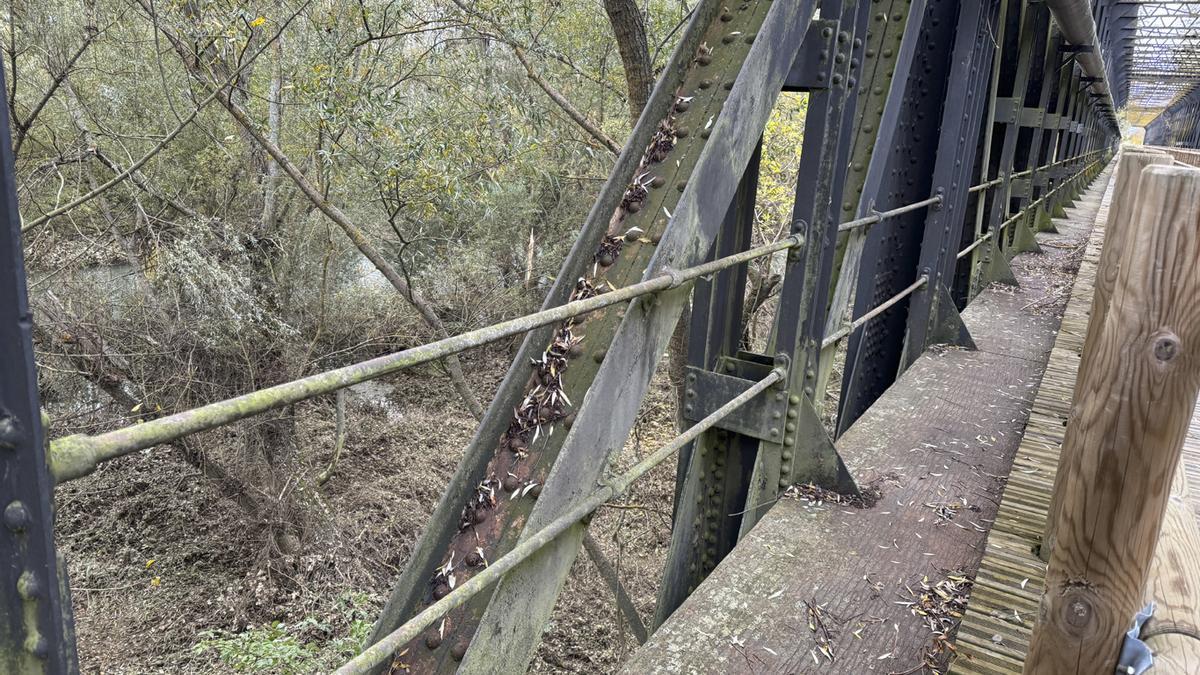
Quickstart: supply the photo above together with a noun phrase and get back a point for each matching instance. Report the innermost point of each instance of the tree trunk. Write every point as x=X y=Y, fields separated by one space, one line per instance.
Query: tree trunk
x=630 y=32
x=274 y=120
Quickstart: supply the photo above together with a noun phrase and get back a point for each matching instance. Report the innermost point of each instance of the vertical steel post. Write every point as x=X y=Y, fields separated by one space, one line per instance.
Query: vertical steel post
x=36 y=635
x=932 y=315
x=891 y=250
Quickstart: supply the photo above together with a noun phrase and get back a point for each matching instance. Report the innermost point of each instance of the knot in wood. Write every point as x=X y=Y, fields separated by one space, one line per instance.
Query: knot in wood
x=1166 y=346
x=1078 y=615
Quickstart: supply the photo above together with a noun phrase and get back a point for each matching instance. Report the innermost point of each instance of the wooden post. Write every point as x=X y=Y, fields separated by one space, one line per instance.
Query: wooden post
x=1173 y=633
x=1133 y=405
x=1116 y=229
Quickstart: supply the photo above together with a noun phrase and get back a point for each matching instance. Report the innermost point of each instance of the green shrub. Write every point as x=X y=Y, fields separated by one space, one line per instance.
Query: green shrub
x=298 y=648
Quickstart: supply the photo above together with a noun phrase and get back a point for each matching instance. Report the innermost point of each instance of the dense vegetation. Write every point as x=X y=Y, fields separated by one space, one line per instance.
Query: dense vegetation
x=220 y=196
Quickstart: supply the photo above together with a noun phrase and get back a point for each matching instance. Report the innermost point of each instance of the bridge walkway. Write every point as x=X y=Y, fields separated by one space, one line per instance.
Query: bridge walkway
x=822 y=586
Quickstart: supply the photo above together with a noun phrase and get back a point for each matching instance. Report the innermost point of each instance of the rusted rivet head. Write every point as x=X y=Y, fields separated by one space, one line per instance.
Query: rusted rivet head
x=1166 y=346
x=441 y=590
x=38 y=646
x=598 y=357
x=29 y=586
x=536 y=491
x=458 y=651
x=10 y=432
x=569 y=421
x=681 y=185
x=575 y=351
x=510 y=484
x=657 y=181
x=474 y=559
x=481 y=515
x=433 y=641
x=16 y=516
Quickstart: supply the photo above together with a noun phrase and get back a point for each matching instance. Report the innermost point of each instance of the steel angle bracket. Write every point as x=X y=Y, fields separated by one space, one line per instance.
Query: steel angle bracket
x=707 y=391
x=996 y=268
x=813 y=69
x=1024 y=240
x=946 y=327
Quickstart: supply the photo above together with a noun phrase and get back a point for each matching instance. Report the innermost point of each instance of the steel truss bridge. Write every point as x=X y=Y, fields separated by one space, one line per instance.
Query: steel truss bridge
x=941 y=137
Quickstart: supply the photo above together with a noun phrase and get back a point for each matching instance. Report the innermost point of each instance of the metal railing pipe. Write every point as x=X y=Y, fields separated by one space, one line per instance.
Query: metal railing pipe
x=385 y=647
x=879 y=309
x=74 y=456
x=884 y=215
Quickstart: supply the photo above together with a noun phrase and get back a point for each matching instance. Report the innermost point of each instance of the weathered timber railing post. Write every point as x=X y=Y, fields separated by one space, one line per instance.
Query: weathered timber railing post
x=1173 y=632
x=1134 y=403
x=1116 y=234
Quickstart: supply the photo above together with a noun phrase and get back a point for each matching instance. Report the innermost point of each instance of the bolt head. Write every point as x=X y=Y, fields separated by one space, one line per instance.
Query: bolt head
x=16 y=516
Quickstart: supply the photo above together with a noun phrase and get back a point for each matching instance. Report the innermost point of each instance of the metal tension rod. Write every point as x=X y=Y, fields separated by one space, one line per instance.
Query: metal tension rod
x=879 y=309
x=78 y=455
x=384 y=648
x=1020 y=214
x=884 y=215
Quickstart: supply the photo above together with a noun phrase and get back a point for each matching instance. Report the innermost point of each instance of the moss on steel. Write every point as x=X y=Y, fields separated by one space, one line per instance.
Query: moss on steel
x=381 y=651
x=78 y=455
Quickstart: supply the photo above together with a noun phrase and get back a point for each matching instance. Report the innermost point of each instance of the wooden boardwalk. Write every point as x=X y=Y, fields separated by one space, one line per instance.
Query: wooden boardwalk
x=821 y=587
x=994 y=635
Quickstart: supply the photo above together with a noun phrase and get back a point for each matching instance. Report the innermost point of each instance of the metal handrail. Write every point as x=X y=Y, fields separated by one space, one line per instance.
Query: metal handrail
x=74 y=456
x=385 y=647
x=1023 y=212
x=884 y=215
x=879 y=309
x=1021 y=174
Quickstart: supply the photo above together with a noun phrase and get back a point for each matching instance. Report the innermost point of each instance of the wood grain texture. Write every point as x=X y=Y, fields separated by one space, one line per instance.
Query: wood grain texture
x=1129 y=169
x=994 y=635
x=1123 y=441
x=1173 y=632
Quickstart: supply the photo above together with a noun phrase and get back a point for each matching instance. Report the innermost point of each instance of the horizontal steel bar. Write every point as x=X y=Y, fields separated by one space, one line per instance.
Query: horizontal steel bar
x=884 y=215
x=1032 y=205
x=983 y=186
x=880 y=309
x=78 y=455
x=385 y=647
x=1021 y=174
x=974 y=245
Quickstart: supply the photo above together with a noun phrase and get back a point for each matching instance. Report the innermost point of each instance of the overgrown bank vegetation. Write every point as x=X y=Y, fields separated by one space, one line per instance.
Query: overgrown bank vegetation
x=221 y=196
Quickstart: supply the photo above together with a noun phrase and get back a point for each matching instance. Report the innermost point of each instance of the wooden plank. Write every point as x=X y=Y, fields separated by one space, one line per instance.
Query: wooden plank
x=1174 y=585
x=1117 y=231
x=1010 y=569
x=1134 y=402
x=944 y=433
